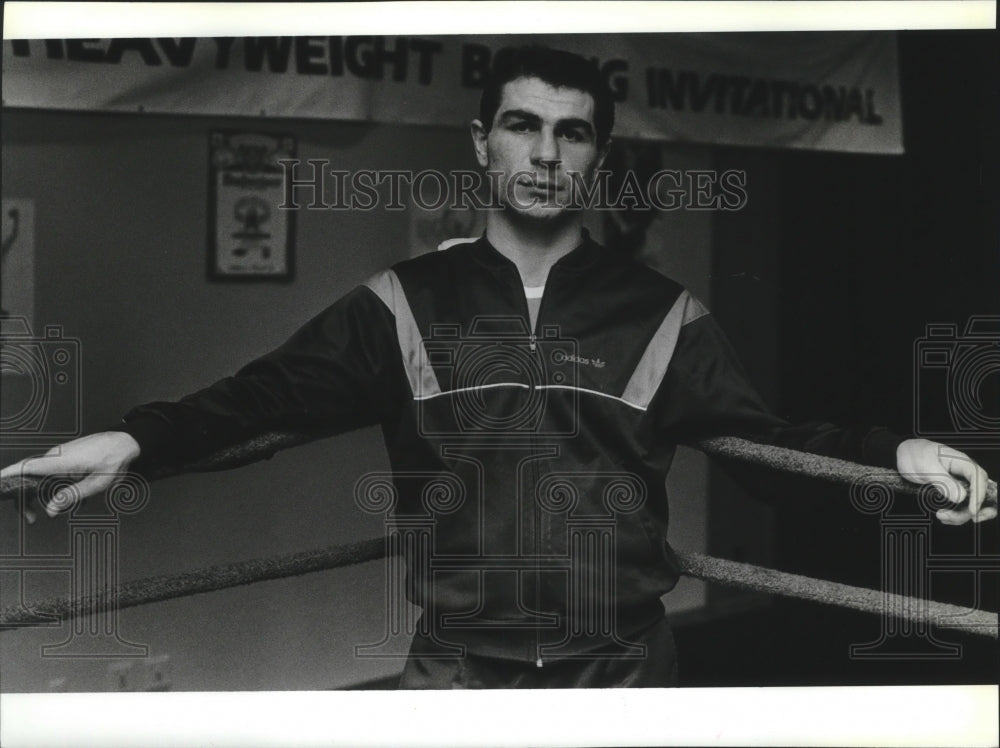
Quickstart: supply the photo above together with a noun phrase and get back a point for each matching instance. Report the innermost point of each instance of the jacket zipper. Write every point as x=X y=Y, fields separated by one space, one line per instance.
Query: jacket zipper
x=536 y=510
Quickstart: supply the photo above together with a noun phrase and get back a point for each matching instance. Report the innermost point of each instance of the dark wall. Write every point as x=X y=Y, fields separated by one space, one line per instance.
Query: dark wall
x=874 y=249
x=870 y=250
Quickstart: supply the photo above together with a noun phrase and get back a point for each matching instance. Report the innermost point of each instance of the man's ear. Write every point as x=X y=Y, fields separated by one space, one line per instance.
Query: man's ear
x=479 y=136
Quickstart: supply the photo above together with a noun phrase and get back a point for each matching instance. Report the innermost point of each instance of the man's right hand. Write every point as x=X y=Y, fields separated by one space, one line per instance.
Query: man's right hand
x=94 y=461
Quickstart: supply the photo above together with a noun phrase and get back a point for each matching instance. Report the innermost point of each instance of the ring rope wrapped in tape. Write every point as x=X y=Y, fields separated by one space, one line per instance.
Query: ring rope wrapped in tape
x=699 y=566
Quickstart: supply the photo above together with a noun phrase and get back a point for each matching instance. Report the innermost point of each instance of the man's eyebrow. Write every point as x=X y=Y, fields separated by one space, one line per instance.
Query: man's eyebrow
x=520 y=114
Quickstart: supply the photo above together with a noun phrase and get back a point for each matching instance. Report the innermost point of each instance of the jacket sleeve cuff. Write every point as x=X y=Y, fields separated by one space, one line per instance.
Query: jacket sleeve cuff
x=879 y=447
x=152 y=433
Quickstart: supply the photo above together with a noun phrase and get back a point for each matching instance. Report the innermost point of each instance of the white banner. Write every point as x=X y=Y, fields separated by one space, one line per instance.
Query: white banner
x=822 y=90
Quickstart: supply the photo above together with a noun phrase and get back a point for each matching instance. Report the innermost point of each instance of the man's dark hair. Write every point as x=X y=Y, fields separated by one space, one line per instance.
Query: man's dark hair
x=557 y=68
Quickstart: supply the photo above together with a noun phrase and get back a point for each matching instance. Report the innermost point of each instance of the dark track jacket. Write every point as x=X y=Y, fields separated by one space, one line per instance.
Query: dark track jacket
x=528 y=466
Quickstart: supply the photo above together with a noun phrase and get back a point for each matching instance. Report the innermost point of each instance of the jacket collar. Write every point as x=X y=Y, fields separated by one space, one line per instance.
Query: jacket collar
x=586 y=253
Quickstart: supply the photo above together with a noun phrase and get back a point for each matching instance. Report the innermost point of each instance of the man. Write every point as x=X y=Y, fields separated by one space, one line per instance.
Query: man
x=532 y=388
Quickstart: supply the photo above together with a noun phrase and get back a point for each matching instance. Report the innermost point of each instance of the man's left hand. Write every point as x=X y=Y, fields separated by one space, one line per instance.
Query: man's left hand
x=956 y=475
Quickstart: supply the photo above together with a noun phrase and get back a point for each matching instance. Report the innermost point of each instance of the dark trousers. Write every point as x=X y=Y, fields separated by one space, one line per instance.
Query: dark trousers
x=657 y=669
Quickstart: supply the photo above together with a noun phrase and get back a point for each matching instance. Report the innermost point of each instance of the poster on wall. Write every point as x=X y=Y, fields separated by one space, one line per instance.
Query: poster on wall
x=250 y=237
x=17 y=263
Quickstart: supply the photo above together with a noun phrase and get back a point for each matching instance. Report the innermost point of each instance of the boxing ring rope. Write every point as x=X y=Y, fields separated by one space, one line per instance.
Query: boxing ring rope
x=699 y=566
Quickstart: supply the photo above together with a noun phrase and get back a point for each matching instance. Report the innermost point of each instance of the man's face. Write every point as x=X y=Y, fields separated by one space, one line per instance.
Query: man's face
x=540 y=135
